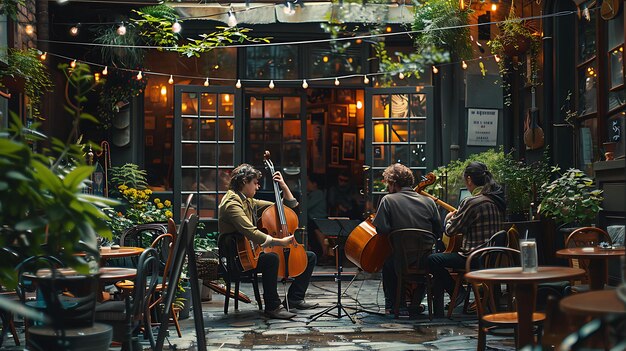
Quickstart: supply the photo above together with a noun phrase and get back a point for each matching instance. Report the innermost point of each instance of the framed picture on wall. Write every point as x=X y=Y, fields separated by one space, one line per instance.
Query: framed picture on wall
x=334 y=155
x=361 y=143
x=379 y=153
x=338 y=115
x=349 y=146
x=346 y=96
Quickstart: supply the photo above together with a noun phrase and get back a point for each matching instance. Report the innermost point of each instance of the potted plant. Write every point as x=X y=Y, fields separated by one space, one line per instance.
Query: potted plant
x=571 y=199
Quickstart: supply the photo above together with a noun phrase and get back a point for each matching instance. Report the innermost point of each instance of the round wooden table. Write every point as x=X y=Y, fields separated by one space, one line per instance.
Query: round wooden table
x=123 y=251
x=597 y=262
x=525 y=285
x=593 y=303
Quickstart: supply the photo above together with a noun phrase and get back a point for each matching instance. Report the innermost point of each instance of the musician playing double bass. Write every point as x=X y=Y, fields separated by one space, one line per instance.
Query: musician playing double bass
x=403 y=208
x=237 y=213
x=478 y=217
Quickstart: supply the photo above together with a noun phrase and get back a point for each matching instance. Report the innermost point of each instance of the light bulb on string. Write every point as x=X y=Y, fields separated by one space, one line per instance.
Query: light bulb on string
x=232 y=20
x=74 y=30
x=176 y=27
x=464 y=64
x=206 y=82
x=337 y=81
x=139 y=76
x=304 y=84
x=238 y=85
x=121 y=30
x=29 y=29
x=43 y=56
x=435 y=70
x=271 y=85
x=105 y=71
x=366 y=80
x=496 y=57
x=171 y=80
x=73 y=64
x=401 y=75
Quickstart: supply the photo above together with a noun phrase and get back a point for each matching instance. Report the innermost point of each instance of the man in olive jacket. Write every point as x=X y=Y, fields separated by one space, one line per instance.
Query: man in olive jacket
x=238 y=213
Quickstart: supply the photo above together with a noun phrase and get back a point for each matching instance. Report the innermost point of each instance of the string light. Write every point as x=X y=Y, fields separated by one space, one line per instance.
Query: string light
x=73 y=64
x=43 y=56
x=74 y=30
x=337 y=81
x=366 y=80
x=206 y=82
x=401 y=75
x=121 y=30
x=139 y=76
x=464 y=65
x=435 y=70
x=105 y=71
x=496 y=57
x=304 y=84
x=96 y=77
x=29 y=29
x=232 y=20
x=170 y=81
x=238 y=85
x=176 y=27
x=271 y=85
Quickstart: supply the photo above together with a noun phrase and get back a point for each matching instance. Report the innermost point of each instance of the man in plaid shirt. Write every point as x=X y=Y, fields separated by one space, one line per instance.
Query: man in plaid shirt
x=478 y=217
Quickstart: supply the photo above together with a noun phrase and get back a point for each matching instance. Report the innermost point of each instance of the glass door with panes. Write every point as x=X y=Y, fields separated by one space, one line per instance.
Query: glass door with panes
x=399 y=129
x=206 y=126
x=276 y=123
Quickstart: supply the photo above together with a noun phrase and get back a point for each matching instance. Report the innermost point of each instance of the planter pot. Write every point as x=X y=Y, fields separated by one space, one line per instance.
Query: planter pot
x=184 y=312
x=516 y=46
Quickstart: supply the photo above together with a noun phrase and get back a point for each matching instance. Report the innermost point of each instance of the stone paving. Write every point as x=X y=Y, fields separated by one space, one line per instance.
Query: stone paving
x=249 y=329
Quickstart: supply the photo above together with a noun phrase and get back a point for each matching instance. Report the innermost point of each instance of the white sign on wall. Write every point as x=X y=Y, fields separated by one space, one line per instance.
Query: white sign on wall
x=482 y=127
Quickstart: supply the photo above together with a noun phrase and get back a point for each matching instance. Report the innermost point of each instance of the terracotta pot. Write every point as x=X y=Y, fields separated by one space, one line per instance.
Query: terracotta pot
x=516 y=46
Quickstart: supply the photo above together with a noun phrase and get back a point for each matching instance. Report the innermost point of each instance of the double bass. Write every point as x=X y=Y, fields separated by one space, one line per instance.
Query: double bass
x=279 y=222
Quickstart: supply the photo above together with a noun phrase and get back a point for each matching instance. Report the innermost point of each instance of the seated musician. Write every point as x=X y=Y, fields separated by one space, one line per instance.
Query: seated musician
x=478 y=217
x=403 y=208
x=237 y=213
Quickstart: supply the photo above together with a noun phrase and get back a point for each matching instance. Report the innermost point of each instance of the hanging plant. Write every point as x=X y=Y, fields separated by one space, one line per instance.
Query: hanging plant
x=516 y=38
x=10 y=7
x=120 y=87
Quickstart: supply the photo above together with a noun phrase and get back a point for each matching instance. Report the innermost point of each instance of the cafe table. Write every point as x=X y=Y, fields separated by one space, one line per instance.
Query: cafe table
x=525 y=285
x=598 y=258
x=107 y=253
x=593 y=303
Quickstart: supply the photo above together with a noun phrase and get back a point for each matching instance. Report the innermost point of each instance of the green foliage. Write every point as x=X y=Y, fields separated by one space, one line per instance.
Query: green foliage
x=443 y=25
x=413 y=64
x=26 y=64
x=222 y=37
x=571 y=198
x=10 y=7
x=513 y=32
x=79 y=82
x=155 y=24
x=129 y=175
x=118 y=90
x=43 y=206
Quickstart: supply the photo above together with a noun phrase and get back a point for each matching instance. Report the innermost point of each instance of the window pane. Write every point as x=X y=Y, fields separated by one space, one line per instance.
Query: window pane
x=587 y=38
x=208 y=180
x=189 y=154
x=291 y=154
x=291 y=107
x=272 y=108
x=380 y=106
x=207 y=129
x=226 y=105
x=256 y=108
x=616 y=30
x=399 y=131
x=189 y=104
x=400 y=105
x=325 y=62
x=380 y=132
x=418 y=130
x=273 y=62
x=189 y=179
x=272 y=131
x=380 y=154
x=617 y=99
x=400 y=154
x=291 y=131
x=226 y=155
x=587 y=145
x=207 y=154
x=418 y=156
x=226 y=127
x=190 y=129
x=418 y=105
x=616 y=69
x=207 y=105
x=224 y=179
x=587 y=93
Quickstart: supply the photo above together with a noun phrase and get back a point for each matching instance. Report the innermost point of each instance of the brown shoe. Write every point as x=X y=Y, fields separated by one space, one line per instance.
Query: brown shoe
x=279 y=313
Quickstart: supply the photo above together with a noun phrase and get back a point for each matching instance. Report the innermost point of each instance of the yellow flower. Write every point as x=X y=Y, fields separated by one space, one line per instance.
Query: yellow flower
x=148 y=191
x=169 y=214
x=168 y=203
x=159 y=205
x=157 y=200
x=122 y=187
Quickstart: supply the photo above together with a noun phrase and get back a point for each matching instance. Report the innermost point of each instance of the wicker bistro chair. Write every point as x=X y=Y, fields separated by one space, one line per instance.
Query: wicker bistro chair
x=490 y=316
x=411 y=248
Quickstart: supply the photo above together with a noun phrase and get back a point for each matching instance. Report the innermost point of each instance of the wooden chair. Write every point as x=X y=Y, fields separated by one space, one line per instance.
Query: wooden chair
x=411 y=248
x=130 y=317
x=230 y=271
x=490 y=318
x=8 y=325
x=586 y=237
x=498 y=239
x=606 y=333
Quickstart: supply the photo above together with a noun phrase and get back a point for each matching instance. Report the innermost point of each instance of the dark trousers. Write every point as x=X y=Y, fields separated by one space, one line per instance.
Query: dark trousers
x=438 y=265
x=390 y=285
x=268 y=266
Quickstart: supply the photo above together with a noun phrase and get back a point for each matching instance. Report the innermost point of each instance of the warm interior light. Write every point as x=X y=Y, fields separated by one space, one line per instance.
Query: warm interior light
x=29 y=29
x=325 y=58
x=388 y=29
x=226 y=97
x=163 y=90
x=494 y=7
x=359 y=104
x=96 y=76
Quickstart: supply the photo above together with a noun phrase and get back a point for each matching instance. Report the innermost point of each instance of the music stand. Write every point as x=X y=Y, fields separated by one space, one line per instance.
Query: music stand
x=341 y=227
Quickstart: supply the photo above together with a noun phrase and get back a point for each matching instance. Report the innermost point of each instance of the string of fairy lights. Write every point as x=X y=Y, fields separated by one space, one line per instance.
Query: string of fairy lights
x=271 y=83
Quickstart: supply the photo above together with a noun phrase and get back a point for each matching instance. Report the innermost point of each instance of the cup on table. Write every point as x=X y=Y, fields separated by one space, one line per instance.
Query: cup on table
x=528 y=252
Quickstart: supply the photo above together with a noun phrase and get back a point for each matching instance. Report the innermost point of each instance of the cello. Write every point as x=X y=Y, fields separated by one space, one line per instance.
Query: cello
x=364 y=247
x=453 y=243
x=279 y=222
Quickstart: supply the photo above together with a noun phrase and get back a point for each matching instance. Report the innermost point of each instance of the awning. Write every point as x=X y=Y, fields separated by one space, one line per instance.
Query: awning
x=259 y=13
